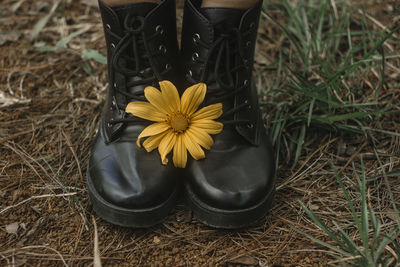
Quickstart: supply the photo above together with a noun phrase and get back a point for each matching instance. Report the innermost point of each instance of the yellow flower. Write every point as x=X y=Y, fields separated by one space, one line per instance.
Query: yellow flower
x=178 y=125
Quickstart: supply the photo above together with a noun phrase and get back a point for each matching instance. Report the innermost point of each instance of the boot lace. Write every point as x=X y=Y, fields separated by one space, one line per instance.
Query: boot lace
x=221 y=74
x=131 y=59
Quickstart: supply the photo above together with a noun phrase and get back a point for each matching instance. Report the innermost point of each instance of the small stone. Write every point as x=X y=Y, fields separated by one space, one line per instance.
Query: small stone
x=341 y=147
x=156 y=240
x=12 y=228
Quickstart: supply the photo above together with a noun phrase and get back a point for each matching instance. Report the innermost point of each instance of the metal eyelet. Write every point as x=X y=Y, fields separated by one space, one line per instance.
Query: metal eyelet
x=250 y=125
x=248 y=44
x=114 y=104
x=115 y=85
x=195 y=56
x=163 y=49
x=245 y=82
x=108 y=26
x=167 y=66
x=252 y=25
x=247 y=103
x=109 y=124
x=112 y=45
x=190 y=73
x=159 y=29
x=196 y=37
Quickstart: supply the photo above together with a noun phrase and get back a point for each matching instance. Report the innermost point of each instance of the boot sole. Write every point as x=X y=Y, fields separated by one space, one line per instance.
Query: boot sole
x=228 y=219
x=134 y=218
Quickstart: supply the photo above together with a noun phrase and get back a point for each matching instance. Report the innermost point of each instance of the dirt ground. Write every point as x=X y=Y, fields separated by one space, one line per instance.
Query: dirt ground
x=46 y=129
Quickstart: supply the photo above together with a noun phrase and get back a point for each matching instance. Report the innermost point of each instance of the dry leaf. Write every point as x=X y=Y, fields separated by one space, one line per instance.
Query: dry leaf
x=6 y=101
x=12 y=228
x=93 y=3
x=43 y=21
x=15 y=6
x=9 y=37
x=156 y=240
x=245 y=260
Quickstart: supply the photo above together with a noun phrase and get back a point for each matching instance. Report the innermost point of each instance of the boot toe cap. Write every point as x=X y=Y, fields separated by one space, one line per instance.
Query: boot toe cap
x=233 y=180
x=127 y=176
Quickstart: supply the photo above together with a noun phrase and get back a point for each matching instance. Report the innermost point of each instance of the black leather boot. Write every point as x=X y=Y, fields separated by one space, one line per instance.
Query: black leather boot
x=127 y=185
x=234 y=186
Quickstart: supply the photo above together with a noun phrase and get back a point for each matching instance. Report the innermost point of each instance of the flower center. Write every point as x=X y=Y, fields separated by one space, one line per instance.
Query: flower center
x=179 y=122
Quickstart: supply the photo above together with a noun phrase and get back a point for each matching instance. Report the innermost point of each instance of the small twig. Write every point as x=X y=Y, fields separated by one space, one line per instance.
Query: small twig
x=353 y=157
x=37 y=197
x=73 y=153
x=12 y=115
x=378 y=23
x=344 y=259
x=294 y=175
x=96 y=252
x=13 y=136
x=298 y=225
x=37 y=246
x=26 y=68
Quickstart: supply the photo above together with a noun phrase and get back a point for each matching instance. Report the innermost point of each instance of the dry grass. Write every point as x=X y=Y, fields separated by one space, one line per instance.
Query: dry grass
x=51 y=114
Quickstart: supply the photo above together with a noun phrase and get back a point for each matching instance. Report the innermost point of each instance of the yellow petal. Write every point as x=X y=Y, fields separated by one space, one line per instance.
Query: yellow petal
x=210 y=112
x=192 y=98
x=153 y=142
x=180 y=153
x=153 y=129
x=170 y=95
x=166 y=145
x=145 y=111
x=200 y=137
x=210 y=126
x=154 y=96
x=193 y=148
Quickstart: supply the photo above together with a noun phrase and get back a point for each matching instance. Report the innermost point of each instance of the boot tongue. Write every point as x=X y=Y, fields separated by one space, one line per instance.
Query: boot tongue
x=137 y=9
x=223 y=18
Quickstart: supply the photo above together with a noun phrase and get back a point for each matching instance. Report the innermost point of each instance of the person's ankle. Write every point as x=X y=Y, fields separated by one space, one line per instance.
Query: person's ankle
x=240 y=4
x=125 y=2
